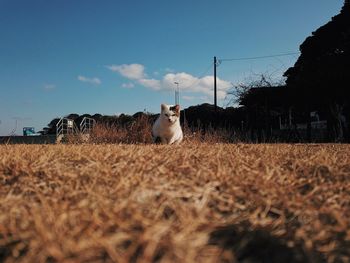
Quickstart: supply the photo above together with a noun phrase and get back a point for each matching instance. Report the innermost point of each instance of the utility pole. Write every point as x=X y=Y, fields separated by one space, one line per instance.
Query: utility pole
x=177 y=94
x=215 y=96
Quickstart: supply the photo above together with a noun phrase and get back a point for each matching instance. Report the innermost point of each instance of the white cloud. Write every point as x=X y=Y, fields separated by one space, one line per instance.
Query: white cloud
x=95 y=81
x=188 y=97
x=151 y=83
x=128 y=85
x=132 y=71
x=187 y=82
x=49 y=87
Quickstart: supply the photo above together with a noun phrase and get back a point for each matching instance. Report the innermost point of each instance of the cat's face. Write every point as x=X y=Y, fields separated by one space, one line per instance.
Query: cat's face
x=170 y=113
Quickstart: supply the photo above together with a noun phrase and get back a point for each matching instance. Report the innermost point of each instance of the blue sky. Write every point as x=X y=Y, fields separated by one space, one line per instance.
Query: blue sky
x=109 y=57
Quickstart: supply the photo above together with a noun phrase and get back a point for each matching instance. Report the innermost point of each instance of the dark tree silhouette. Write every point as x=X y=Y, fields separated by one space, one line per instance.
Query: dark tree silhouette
x=321 y=75
x=51 y=127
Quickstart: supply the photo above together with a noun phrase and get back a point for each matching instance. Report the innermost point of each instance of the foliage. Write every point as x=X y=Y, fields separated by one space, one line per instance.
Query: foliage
x=321 y=75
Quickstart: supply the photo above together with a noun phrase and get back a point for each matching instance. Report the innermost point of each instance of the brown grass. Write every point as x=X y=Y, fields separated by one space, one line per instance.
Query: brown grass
x=189 y=203
x=136 y=132
x=139 y=132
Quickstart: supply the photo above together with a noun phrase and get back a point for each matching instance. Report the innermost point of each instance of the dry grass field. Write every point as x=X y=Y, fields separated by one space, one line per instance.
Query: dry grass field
x=197 y=202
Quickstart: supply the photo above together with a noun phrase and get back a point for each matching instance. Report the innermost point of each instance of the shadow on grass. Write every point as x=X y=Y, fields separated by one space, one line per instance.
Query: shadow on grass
x=253 y=246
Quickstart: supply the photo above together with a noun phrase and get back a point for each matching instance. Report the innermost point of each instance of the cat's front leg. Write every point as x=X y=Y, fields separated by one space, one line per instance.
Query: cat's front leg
x=178 y=141
x=175 y=140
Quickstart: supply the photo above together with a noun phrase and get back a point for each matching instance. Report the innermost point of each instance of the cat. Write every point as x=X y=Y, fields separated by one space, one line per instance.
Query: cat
x=167 y=127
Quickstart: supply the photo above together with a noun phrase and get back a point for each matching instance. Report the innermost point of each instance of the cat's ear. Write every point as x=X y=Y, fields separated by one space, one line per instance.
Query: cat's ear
x=163 y=107
x=177 y=108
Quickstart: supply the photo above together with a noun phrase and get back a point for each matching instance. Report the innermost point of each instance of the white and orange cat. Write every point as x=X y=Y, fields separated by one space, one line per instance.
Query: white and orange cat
x=167 y=127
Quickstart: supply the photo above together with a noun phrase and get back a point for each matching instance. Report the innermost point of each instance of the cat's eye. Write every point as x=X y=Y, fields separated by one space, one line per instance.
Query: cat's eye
x=166 y=114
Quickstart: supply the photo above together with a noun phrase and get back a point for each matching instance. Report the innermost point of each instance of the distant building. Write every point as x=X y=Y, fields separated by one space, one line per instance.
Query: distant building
x=29 y=131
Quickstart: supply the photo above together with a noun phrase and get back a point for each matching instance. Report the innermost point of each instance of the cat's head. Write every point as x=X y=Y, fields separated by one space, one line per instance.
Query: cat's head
x=170 y=113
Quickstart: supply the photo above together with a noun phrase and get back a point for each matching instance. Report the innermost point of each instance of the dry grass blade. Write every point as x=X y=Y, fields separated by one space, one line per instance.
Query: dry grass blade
x=197 y=202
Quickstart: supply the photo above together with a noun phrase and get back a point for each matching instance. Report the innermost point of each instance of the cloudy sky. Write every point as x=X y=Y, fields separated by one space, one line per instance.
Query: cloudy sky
x=123 y=56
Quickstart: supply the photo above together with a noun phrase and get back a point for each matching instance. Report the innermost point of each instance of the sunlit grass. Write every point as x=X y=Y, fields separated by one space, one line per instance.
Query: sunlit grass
x=197 y=202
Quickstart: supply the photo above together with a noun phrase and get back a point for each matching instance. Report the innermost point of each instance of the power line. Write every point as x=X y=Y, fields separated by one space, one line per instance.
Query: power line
x=201 y=76
x=206 y=71
x=258 y=57
x=217 y=62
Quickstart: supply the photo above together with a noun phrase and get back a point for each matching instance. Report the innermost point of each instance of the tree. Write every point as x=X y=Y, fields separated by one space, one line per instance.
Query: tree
x=242 y=91
x=262 y=98
x=51 y=127
x=321 y=75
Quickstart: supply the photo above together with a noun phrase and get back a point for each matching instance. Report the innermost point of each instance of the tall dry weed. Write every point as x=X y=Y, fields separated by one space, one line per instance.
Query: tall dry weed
x=136 y=132
x=139 y=132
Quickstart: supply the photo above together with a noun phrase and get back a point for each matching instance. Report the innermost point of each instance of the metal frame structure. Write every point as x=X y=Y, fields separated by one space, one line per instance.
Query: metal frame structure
x=86 y=125
x=66 y=126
